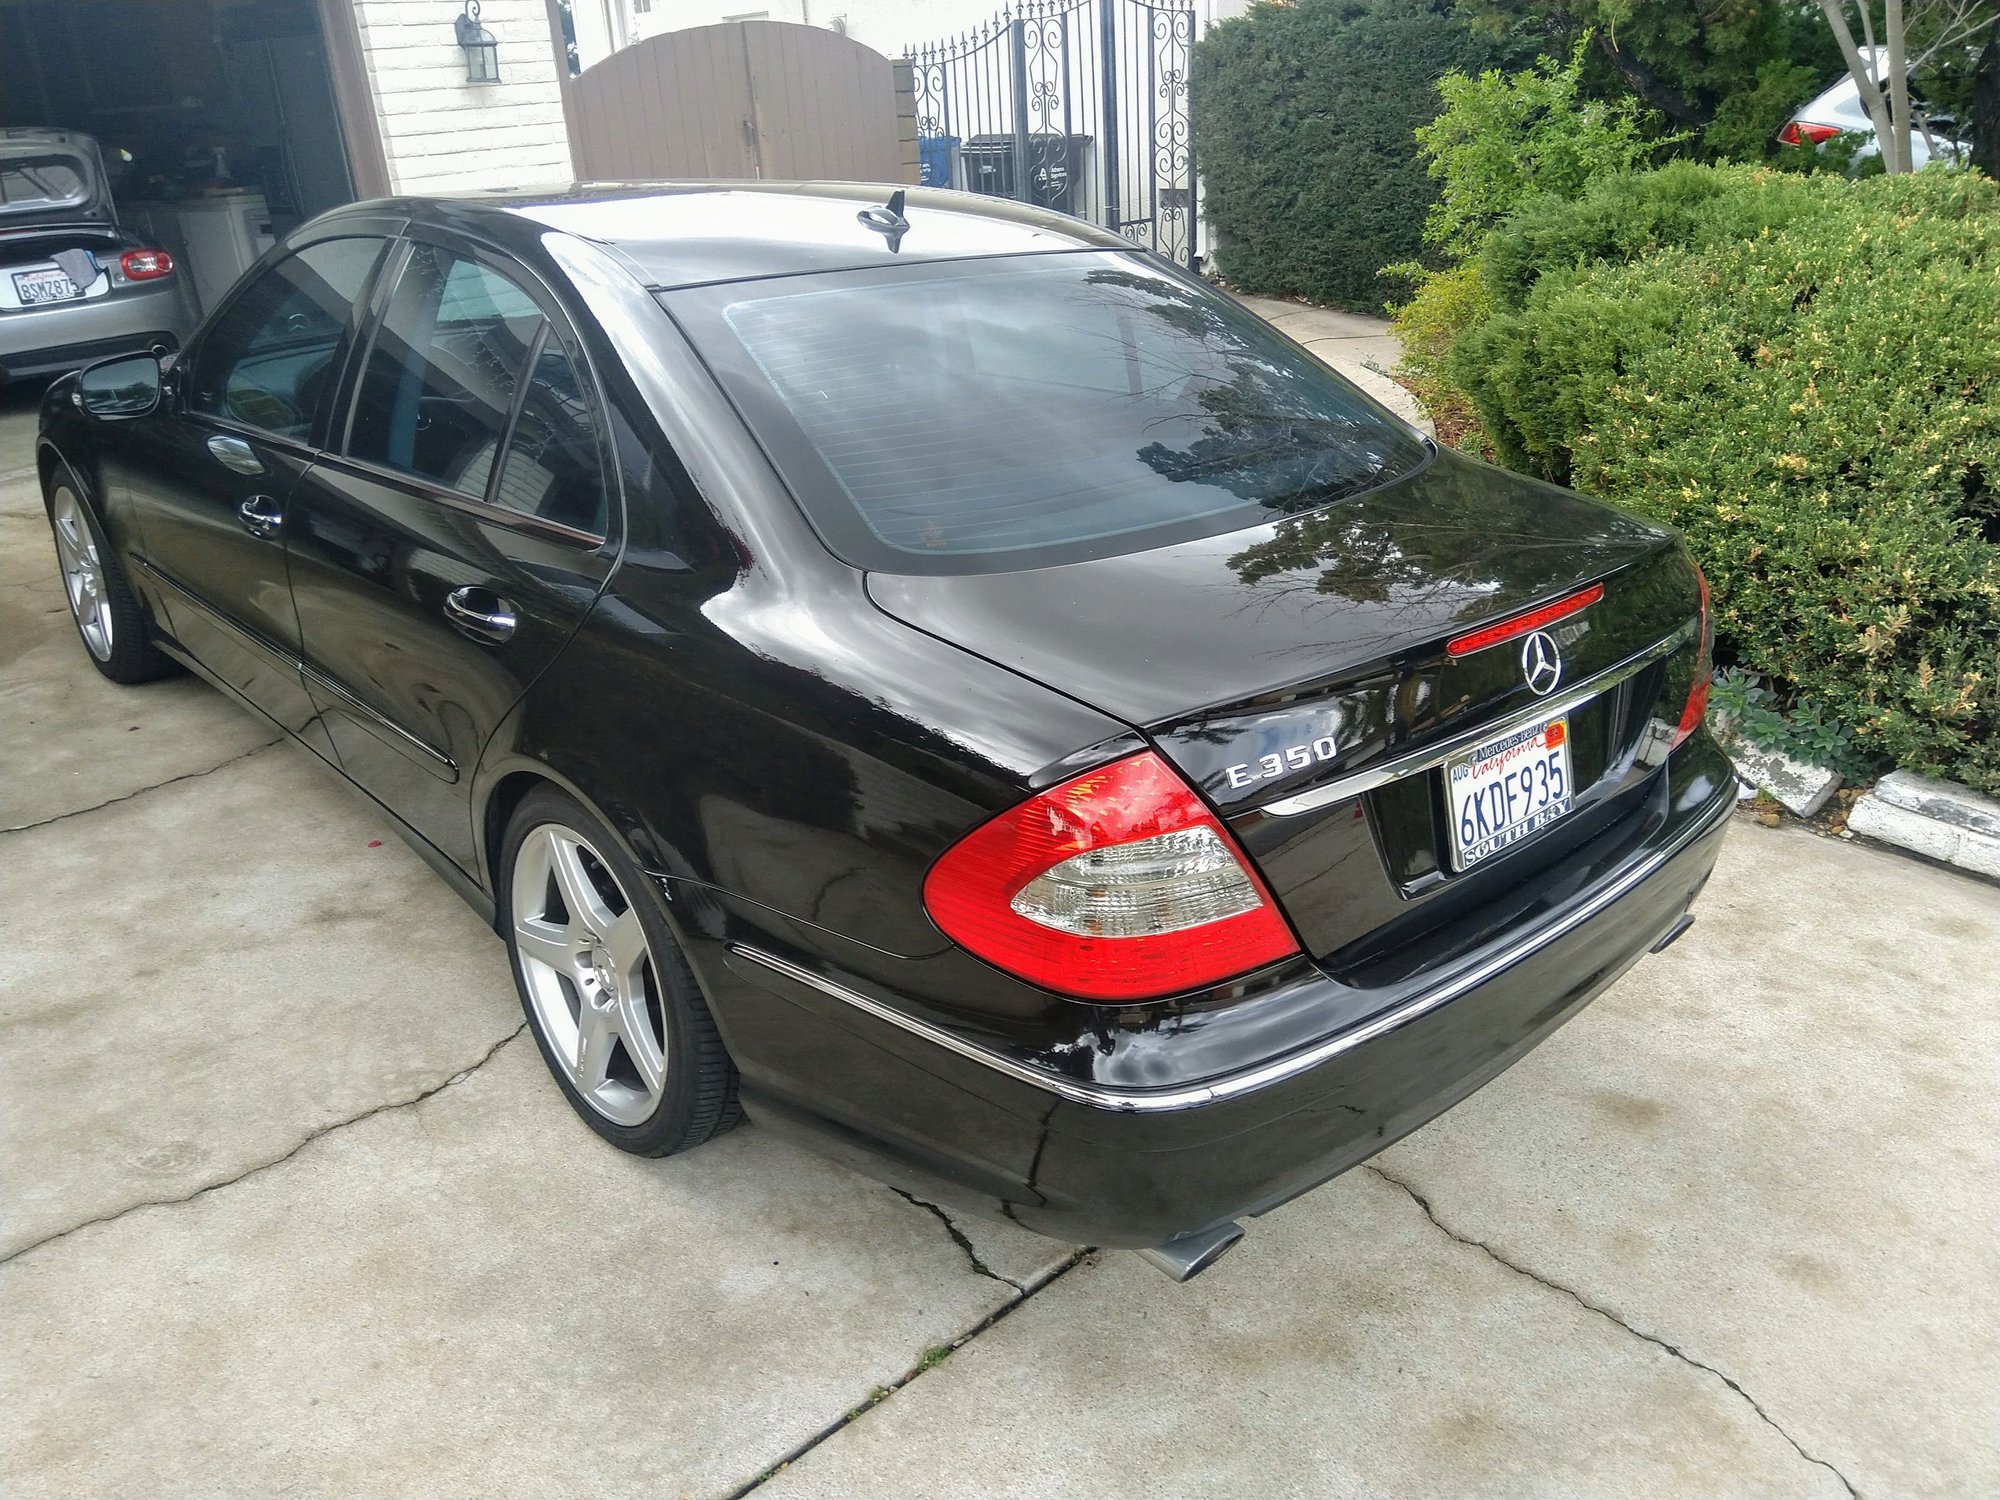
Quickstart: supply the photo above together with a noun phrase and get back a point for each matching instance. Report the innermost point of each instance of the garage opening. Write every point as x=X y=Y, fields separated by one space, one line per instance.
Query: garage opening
x=217 y=120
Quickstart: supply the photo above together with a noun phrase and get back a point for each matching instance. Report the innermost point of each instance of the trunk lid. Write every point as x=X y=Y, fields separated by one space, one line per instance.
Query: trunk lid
x=1286 y=667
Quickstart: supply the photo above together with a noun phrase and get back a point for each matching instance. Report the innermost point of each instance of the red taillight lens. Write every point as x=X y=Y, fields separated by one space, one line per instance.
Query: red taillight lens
x=1117 y=885
x=1704 y=668
x=1519 y=625
x=146 y=265
x=1797 y=133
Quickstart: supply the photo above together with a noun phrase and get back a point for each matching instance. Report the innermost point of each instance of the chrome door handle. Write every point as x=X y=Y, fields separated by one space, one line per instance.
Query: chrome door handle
x=261 y=516
x=235 y=454
x=480 y=613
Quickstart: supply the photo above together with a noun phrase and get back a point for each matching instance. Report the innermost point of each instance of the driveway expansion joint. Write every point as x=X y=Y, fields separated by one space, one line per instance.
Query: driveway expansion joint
x=325 y=1130
x=959 y=1239
x=77 y=812
x=1611 y=1317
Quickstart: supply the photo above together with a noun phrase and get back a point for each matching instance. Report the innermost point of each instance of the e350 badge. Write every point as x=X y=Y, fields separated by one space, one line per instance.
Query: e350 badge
x=1280 y=762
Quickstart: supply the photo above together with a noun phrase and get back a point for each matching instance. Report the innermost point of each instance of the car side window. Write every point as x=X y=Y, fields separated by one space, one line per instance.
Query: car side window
x=440 y=383
x=553 y=468
x=265 y=362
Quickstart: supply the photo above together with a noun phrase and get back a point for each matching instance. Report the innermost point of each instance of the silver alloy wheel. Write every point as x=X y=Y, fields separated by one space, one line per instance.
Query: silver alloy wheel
x=589 y=974
x=83 y=575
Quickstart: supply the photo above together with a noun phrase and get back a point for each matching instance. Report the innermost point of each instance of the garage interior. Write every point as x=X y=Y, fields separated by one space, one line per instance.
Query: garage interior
x=217 y=119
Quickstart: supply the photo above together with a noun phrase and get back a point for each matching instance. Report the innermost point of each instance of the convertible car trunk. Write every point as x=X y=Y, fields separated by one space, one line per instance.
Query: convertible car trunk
x=1299 y=674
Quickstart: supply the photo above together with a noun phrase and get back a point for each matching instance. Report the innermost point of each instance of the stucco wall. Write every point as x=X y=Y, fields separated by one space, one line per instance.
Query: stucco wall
x=442 y=134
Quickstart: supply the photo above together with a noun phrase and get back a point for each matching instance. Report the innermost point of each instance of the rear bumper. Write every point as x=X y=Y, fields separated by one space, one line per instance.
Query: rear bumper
x=69 y=335
x=955 y=1120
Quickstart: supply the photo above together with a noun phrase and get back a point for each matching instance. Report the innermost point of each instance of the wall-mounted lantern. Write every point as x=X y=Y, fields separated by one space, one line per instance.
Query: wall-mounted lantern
x=482 y=52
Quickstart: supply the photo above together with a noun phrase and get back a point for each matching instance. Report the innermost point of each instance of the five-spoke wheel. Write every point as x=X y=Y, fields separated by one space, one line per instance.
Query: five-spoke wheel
x=615 y=1009
x=588 y=973
x=109 y=617
x=83 y=574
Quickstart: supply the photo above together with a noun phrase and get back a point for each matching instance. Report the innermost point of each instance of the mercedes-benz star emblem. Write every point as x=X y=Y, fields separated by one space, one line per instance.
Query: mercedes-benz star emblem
x=1541 y=663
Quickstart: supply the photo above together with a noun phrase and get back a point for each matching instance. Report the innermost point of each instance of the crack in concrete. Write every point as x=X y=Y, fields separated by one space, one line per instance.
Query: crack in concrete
x=959 y=1239
x=325 y=1130
x=78 y=812
x=929 y=1361
x=1609 y=1316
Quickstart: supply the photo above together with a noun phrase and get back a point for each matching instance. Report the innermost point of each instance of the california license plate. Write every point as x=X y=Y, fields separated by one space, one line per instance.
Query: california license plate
x=1506 y=789
x=37 y=287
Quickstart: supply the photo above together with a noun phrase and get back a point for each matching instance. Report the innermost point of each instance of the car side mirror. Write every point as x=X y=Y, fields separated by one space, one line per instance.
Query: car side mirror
x=120 y=388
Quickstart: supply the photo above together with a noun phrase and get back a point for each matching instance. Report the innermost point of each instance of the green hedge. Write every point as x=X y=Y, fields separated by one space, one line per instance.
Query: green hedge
x=1304 y=119
x=1803 y=374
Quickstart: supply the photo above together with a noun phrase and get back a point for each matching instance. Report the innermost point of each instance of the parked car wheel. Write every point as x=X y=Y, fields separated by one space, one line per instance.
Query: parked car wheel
x=614 y=1007
x=108 y=615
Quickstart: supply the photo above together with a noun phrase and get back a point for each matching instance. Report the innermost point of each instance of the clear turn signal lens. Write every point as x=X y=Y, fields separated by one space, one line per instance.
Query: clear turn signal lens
x=1117 y=885
x=1166 y=883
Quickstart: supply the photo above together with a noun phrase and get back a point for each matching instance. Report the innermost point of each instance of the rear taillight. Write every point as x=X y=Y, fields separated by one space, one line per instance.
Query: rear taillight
x=1704 y=668
x=1798 y=133
x=1117 y=885
x=146 y=265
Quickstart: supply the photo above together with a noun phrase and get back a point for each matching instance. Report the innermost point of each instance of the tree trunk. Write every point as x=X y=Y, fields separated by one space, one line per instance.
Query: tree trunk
x=1986 y=106
x=1872 y=99
x=1896 y=35
x=1650 y=87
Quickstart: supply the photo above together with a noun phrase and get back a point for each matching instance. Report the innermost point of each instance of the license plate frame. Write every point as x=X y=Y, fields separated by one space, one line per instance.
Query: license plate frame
x=1525 y=775
x=46 y=278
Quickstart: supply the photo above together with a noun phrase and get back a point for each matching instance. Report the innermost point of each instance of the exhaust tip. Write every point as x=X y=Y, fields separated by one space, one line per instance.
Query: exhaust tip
x=1674 y=933
x=1186 y=1256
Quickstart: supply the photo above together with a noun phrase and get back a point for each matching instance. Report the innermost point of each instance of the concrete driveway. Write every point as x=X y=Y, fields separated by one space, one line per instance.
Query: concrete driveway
x=291 y=1207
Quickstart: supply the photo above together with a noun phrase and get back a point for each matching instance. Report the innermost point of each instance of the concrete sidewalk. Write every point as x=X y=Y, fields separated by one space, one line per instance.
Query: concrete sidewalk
x=1360 y=347
x=292 y=1207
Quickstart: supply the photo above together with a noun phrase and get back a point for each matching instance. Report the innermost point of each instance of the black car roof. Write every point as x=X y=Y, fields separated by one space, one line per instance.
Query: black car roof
x=677 y=234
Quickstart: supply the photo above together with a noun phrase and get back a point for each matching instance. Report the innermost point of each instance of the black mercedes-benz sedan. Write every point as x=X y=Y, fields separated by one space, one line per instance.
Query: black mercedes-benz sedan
x=920 y=672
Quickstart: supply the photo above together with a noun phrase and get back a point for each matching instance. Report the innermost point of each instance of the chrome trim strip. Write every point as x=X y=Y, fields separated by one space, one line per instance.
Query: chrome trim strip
x=1432 y=756
x=270 y=650
x=376 y=716
x=1133 y=1101
x=304 y=669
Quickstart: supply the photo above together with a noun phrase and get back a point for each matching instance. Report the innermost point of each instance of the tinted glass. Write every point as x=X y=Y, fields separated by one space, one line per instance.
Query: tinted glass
x=444 y=370
x=267 y=361
x=552 y=468
x=1035 y=410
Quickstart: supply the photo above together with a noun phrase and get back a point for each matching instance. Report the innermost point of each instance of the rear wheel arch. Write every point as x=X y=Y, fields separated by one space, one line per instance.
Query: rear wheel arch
x=508 y=793
x=503 y=791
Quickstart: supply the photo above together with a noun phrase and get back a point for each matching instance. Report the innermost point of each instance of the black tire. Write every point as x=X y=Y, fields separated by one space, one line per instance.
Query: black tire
x=129 y=656
x=698 y=1099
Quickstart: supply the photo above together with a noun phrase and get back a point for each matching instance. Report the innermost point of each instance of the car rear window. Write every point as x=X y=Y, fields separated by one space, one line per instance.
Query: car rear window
x=1010 y=413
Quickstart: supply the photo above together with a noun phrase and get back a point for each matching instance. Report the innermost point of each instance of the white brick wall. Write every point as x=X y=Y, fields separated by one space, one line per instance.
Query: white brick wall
x=444 y=135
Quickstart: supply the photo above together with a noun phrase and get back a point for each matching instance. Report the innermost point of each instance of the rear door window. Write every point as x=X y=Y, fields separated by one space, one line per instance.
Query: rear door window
x=553 y=470
x=266 y=361
x=442 y=375
x=470 y=386
x=1021 y=412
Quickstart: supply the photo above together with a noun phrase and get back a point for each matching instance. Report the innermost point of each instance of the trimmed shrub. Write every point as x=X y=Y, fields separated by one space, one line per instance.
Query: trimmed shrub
x=1505 y=139
x=1803 y=374
x=1305 y=118
x=1442 y=306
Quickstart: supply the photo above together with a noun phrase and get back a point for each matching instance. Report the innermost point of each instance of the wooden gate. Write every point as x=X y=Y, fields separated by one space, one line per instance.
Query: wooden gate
x=745 y=99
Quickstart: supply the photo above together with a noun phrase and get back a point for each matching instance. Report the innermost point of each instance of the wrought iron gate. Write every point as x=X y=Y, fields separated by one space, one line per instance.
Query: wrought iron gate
x=1075 y=105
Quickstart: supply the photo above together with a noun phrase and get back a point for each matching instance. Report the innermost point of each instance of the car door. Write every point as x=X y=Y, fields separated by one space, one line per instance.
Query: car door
x=209 y=477
x=442 y=556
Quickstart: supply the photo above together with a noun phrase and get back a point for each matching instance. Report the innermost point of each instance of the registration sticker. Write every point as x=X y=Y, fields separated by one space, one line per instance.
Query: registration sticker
x=1504 y=790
